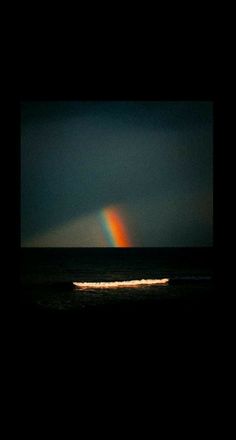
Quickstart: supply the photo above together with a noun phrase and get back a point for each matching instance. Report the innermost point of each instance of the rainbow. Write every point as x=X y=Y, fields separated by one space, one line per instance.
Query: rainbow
x=114 y=228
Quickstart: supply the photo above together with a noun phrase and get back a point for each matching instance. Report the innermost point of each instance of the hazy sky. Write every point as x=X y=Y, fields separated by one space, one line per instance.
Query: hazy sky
x=151 y=161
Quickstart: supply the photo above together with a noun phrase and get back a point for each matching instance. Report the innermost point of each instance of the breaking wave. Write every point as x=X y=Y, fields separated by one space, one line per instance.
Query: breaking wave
x=115 y=284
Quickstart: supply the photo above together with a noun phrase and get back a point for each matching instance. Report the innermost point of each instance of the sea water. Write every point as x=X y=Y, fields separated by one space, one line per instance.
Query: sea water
x=47 y=276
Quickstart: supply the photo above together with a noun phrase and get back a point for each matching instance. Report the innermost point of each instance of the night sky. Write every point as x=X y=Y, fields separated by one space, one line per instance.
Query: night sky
x=150 y=162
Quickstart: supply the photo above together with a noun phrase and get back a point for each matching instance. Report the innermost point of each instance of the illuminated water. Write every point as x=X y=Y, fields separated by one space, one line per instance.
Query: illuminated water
x=119 y=284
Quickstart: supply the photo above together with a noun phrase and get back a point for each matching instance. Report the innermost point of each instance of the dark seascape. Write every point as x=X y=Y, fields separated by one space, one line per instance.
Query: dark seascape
x=47 y=275
x=141 y=323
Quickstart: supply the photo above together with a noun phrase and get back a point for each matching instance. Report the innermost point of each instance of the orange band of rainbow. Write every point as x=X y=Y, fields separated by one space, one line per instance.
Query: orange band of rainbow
x=115 y=228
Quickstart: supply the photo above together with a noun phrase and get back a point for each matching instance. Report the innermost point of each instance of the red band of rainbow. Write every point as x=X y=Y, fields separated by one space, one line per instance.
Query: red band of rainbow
x=114 y=228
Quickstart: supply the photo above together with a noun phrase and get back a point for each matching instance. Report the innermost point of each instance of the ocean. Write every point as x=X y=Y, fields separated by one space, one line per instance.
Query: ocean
x=47 y=276
x=91 y=331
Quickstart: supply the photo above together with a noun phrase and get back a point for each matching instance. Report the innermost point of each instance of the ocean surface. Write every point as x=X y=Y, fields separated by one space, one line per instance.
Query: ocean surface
x=47 y=276
x=95 y=341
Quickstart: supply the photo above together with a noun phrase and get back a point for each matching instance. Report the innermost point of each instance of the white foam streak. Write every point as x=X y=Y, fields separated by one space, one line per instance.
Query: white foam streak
x=114 y=284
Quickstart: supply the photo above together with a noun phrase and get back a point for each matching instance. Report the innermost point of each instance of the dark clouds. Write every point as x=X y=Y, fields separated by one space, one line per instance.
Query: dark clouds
x=154 y=158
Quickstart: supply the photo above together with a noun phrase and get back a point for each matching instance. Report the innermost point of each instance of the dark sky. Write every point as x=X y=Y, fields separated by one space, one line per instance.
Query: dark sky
x=150 y=160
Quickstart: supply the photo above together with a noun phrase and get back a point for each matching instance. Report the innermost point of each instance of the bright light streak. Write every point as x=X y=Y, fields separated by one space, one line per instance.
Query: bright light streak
x=115 y=284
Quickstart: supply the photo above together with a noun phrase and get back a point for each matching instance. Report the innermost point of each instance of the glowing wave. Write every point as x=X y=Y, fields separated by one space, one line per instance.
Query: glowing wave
x=114 y=284
x=114 y=228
